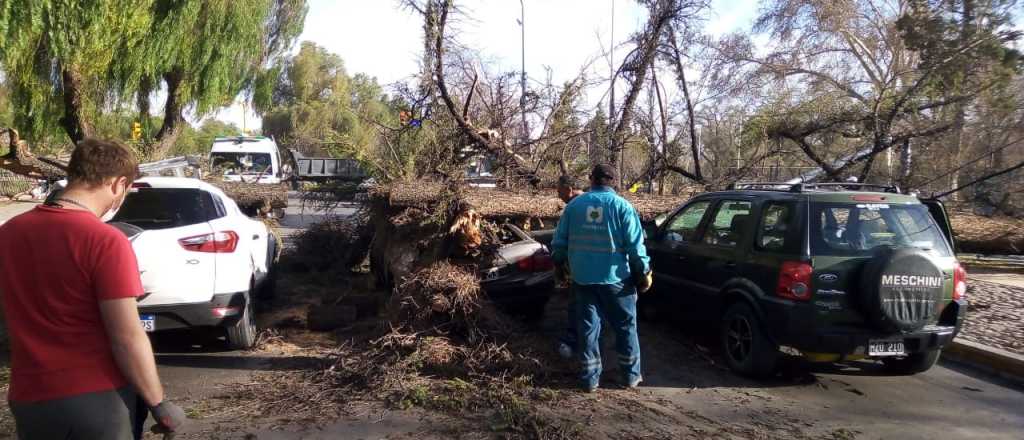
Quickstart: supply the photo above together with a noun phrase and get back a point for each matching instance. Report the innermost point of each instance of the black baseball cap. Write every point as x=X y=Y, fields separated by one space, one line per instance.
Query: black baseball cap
x=603 y=171
x=568 y=181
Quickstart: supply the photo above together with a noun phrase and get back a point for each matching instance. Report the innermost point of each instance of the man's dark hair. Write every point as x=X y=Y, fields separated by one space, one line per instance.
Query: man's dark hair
x=567 y=181
x=94 y=161
x=603 y=174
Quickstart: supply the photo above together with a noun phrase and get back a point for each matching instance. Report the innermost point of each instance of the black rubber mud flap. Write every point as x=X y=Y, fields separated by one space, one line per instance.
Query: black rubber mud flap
x=901 y=289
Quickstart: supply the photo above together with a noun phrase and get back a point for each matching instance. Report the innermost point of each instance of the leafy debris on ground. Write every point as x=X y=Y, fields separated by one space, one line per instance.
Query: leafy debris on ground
x=335 y=244
x=987 y=235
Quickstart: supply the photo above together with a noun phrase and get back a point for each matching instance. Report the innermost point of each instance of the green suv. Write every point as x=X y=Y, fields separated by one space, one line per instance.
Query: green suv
x=834 y=271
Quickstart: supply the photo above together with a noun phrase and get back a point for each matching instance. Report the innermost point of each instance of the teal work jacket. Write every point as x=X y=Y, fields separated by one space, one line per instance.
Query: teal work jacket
x=601 y=237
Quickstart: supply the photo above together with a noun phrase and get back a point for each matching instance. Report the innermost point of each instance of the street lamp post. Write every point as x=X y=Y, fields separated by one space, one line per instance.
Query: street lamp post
x=522 y=78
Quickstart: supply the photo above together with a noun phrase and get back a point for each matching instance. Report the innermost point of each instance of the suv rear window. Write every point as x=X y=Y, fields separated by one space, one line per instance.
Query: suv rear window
x=843 y=229
x=165 y=208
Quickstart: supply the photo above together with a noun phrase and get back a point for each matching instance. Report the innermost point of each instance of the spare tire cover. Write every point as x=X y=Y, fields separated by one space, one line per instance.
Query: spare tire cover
x=902 y=289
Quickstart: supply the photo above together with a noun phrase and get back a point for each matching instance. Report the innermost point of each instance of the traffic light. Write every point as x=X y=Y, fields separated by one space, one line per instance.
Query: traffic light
x=136 y=131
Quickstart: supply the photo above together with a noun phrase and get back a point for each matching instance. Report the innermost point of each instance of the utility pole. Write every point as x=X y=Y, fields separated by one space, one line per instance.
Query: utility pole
x=522 y=95
x=611 y=97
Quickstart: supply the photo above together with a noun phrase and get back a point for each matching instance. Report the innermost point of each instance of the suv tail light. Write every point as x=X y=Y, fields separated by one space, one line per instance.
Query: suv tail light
x=539 y=262
x=959 y=282
x=218 y=243
x=795 y=281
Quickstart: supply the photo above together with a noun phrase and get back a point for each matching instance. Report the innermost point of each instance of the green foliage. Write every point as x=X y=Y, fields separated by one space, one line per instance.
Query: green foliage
x=199 y=141
x=219 y=47
x=39 y=38
x=317 y=107
x=6 y=109
x=963 y=41
x=600 y=134
x=215 y=48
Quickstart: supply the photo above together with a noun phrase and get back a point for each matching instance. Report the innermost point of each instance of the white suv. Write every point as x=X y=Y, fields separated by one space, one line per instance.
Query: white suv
x=249 y=159
x=203 y=263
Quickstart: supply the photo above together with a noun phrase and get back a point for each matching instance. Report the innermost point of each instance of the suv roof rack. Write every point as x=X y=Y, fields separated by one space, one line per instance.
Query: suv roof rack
x=805 y=187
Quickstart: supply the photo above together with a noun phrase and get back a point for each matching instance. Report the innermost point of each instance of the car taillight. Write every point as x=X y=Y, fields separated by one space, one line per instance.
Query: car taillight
x=959 y=282
x=538 y=262
x=224 y=312
x=218 y=242
x=795 y=281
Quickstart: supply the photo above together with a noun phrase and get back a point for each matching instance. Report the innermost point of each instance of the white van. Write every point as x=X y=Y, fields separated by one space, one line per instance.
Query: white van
x=249 y=159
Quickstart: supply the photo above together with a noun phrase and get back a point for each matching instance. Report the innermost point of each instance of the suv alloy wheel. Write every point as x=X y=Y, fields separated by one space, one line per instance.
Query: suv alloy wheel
x=746 y=348
x=242 y=335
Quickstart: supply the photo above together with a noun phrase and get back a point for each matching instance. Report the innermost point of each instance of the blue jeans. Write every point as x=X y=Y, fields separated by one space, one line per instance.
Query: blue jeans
x=617 y=304
x=569 y=335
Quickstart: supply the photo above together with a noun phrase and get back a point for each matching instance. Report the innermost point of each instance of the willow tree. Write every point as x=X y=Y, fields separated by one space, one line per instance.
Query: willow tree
x=317 y=107
x=67 y=61
x=206 y=52
x=48 y=51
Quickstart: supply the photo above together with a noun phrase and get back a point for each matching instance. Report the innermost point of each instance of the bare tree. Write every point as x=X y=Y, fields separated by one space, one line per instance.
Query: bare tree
x=848 y=86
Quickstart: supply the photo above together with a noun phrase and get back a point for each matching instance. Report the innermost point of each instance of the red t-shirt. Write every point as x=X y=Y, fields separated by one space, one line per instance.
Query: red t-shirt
x=56 y=265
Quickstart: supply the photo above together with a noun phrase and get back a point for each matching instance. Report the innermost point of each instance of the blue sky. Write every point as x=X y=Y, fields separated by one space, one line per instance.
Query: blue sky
x=378 y=38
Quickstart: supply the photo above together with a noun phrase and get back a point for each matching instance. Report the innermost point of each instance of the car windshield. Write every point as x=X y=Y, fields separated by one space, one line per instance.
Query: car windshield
x=163 y=208
x=241 y=163
x=855 y=229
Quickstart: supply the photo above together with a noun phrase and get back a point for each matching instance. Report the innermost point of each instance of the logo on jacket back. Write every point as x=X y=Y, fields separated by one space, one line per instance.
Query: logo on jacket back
x=595 y=214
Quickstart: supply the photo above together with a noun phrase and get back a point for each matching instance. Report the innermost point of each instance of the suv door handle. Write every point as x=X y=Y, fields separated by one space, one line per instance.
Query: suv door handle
x=730 y=265
x=255 y=236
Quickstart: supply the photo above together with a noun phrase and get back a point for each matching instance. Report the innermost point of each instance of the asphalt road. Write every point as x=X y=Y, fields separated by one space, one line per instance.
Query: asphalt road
x=11 y=209
x=299 y=216
x=855 y=401
x=948 y=402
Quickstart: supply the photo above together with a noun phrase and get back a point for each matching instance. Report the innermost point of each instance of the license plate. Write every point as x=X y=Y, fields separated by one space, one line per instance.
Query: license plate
x=886 y=347
x=148 y=322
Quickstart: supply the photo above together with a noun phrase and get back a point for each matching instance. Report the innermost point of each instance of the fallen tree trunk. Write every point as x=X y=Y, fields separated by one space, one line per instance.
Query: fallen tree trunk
x=987 y=235
x=19 y=160
x=254 y=198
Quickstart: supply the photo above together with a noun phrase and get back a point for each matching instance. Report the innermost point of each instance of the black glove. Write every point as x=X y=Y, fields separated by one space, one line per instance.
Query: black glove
x=169 y=417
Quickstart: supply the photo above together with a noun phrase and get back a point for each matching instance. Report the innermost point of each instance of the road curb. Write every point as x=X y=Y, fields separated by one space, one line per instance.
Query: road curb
x=989 y=359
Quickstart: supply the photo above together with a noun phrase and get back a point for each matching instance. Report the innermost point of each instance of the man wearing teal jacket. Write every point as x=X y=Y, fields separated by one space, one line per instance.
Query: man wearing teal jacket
x=601 y=237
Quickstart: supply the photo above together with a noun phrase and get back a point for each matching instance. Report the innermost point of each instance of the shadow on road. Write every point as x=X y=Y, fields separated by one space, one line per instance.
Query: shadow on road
x=205 y=349
x=240 y=362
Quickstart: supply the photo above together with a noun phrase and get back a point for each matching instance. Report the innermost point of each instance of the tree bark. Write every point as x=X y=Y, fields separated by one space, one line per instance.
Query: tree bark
x=19 y=160
x=690 y=116
x=967 y=32
x=174 y=121
x=73 y=121
x=142 y=101
x=906 y=161
x=515 y=163
x=661 y=15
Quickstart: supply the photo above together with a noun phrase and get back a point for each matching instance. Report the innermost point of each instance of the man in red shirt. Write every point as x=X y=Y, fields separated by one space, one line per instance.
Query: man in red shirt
x=79 y=356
